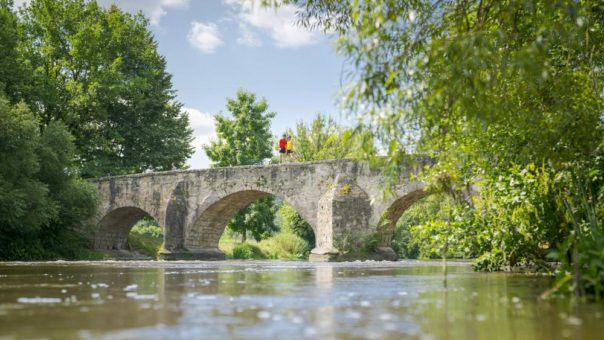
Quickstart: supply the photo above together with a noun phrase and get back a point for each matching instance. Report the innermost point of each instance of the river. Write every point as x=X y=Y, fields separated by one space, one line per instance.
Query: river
x=291 y=300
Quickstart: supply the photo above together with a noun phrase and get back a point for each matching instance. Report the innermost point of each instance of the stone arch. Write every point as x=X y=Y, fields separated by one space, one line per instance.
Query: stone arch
x=115 y=225
x=404 y=200
x=393 y=213
x=215 y=212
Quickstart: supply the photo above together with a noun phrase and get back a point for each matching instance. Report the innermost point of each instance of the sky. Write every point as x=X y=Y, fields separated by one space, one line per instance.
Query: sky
x=214 y=47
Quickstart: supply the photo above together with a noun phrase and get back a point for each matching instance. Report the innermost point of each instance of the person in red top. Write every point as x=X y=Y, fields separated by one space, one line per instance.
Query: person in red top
x=282 y=148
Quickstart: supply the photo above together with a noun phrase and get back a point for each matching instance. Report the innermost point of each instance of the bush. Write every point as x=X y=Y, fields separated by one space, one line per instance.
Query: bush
x=51 y=243
x=434 y=225
x=147 y=227
x=146 y=237
x=403 y=243
x=285 y=246
x=519 y=217
x=247 y=251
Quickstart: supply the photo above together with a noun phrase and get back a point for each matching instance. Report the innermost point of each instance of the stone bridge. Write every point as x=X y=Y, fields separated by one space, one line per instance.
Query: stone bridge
x=342 y=200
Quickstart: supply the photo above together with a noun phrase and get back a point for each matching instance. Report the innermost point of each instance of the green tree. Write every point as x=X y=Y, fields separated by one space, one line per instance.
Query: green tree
x=324 y=139
x=24 y=199
x=258 y=218
x=13 y=71
x=40 y=197
x=492 y=90
x=489 y=82
x=98 y=71
x=245 y=139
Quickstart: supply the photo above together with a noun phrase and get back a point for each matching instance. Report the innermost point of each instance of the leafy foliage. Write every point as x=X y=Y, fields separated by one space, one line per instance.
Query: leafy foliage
x=147 y=237
x=581 y=253
x=24 y=199
x=147 y=226
x=258 y=218
x=285 y=245
x=435 y=226
x=506 y=95
x=324 y=139
x=14 y=74
x=98 y=71
x=245 y=139
x=521 y=217
x=291 y=222
x=83 y=92
x=40 y=197
x=405 y=241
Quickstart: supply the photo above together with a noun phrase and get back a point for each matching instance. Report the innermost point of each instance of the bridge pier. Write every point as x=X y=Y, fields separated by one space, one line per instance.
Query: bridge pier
x=343 y=218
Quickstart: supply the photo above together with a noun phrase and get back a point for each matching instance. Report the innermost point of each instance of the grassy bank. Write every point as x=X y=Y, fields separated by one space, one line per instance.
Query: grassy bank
x=282 y=246
x=146 y=239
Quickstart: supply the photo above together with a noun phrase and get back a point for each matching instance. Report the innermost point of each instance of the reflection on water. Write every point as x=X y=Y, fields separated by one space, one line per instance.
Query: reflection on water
x=122 y=300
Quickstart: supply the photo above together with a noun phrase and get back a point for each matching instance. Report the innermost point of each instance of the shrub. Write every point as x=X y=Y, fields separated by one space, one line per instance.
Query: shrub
x=144 y=228
x=146 y=237
x=434 y=225
x=285 y=246
x=247 y=251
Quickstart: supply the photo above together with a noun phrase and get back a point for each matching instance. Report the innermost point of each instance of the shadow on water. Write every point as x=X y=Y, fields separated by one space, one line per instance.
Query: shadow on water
x=275 y=299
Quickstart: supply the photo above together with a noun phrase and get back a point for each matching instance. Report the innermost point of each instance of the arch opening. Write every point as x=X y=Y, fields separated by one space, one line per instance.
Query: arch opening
x=114 y=228
x=415 y=225
x=393 y=213
x=205 y=233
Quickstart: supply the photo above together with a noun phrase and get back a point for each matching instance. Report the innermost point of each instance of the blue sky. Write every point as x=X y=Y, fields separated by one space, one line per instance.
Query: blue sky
x=214 y=47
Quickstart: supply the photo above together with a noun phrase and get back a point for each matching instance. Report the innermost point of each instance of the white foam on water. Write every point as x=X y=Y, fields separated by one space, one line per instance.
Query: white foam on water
x=130 y=288
x=39 y=299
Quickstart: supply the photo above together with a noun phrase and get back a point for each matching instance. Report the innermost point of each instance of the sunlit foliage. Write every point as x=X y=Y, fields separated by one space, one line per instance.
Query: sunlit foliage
x=97 y=70
x=506 y=95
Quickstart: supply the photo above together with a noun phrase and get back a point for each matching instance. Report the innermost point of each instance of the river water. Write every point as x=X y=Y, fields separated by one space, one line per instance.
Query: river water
x=291 y=300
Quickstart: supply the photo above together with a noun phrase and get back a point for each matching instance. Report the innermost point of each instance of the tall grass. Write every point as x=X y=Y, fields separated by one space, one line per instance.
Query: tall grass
x=286 y=246
x=283 y=246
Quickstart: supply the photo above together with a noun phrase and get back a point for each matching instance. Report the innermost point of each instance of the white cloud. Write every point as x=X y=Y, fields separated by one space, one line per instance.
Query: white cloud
x=154 y=9
x=279 y=23
x=247 y=37
x=203 y=125
x=19 y=3
x=204 y=37
x=175 y=3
